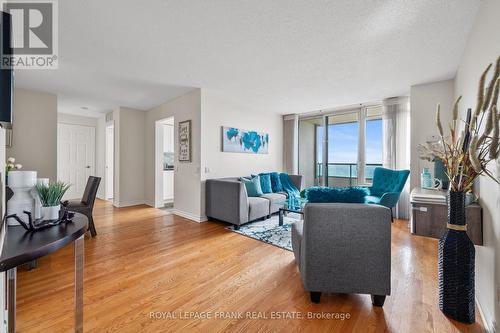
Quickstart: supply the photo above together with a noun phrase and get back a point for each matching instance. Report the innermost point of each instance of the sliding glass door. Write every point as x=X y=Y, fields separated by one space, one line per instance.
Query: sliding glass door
x=343 y=144
x=342 y=148
x=373 y=141
x=310 y=150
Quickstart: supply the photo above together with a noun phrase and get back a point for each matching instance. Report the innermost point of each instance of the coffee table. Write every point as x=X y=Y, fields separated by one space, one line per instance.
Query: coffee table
x=294 y=205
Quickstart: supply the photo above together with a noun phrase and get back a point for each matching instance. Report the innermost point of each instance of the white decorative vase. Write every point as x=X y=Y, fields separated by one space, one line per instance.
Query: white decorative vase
x=38 y=203
x=21 y=183
x=50 y=213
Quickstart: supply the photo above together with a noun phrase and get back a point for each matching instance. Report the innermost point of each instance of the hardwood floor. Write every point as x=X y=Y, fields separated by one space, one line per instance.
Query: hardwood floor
x=145 y=261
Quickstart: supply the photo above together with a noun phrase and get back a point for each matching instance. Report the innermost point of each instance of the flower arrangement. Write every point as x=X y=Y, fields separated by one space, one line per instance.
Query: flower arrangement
x=51 y=195
x=465 y=153
x=11 y=166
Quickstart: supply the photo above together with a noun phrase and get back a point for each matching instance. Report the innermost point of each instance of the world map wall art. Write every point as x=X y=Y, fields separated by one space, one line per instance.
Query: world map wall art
x=235 y=140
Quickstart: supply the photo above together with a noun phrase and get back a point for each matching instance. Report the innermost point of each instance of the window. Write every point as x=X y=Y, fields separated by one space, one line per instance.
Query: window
x=343 y=142
x=345 y=160
x=373 y=141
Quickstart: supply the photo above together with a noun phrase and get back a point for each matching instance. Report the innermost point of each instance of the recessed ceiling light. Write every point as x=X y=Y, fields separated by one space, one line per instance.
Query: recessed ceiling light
x=84 y=107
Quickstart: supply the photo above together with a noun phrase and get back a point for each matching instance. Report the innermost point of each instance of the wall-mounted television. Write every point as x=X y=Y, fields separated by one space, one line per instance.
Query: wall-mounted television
x=6 y=74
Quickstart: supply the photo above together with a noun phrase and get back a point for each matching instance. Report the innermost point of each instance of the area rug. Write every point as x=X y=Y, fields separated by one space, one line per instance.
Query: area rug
x=269 y=231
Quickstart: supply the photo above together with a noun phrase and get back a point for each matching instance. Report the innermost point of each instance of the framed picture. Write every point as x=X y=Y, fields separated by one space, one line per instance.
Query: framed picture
x=185 y=141
x=235 y=140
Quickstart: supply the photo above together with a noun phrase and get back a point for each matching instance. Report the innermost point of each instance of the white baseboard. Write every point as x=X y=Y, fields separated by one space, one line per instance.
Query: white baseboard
x=190 y=216
x=122 y=204
x=149 y=203
x=488 y=325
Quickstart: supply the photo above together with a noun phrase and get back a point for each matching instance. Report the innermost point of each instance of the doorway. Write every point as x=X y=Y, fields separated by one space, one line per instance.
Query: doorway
x=164 y=163
x=75 y=157
x=110 y=153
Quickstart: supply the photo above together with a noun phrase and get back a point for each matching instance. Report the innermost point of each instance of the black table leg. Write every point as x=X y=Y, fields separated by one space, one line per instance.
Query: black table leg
x=32 y=265
x=281 y=216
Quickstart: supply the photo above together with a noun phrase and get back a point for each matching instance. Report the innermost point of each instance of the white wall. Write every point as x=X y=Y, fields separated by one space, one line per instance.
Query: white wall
x=100 y=154
x=72 y=119
x=129 y=161
x=116 y=171
x=209 y=112
x=483 y=47
x=423 y=104
x=187 y=200
x=218 y=111
x=34 y=143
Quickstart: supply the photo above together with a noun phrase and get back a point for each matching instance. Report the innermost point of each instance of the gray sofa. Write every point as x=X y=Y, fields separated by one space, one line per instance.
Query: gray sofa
x=227 y=200
x=344 y=248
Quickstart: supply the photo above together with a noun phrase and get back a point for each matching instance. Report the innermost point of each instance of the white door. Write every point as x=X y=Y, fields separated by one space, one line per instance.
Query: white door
x=110 y=136
x=75 y=157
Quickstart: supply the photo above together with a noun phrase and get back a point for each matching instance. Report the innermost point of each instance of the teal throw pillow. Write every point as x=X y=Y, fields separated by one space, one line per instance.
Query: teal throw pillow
x=253 y=186
x=265 y=182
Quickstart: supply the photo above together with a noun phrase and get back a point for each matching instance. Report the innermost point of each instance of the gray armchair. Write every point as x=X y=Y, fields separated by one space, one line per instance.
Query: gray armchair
x=344 y=248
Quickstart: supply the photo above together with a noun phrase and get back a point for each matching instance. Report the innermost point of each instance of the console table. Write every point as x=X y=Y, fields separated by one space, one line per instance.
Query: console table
x=430 y=215
x=21 y=247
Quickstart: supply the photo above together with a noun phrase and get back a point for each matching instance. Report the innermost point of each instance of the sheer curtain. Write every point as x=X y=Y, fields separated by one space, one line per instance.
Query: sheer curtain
x=291 y=144
x=396 y=144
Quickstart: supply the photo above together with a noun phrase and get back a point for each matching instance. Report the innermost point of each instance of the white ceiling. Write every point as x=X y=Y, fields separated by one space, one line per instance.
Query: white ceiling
x=280 y=56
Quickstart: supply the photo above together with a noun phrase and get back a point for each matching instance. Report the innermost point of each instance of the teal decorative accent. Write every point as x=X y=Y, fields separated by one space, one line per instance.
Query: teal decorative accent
x=251 y=141
x=387 y=186
x=354 y=194
x=265 y=182
x=288 y=186
x=253 y=186
x=232 y=133
x=276 y=182
x=426 y=179
x=240 y=141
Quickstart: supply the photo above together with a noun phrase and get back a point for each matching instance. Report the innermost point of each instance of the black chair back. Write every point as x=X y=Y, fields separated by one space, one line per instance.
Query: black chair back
x=91 y=191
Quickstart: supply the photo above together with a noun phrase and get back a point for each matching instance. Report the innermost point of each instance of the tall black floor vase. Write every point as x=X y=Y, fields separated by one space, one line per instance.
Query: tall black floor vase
x=456 y=264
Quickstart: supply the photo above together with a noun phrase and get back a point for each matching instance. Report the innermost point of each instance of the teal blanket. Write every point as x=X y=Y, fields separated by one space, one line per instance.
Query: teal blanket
x=288 y=186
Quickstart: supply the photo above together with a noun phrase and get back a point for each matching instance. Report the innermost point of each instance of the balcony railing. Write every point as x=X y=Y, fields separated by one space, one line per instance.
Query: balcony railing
x=344 y=174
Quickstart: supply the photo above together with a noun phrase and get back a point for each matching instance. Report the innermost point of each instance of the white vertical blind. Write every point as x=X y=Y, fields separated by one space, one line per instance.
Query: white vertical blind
x=396 y=144
x=290 y=144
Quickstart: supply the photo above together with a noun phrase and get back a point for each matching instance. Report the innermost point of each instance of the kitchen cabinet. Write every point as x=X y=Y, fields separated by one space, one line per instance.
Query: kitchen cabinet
x=168 y=185
x=168 y=138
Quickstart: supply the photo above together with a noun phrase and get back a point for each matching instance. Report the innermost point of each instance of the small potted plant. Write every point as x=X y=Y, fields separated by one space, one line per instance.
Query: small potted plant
x=50 y=197
x=10 y=165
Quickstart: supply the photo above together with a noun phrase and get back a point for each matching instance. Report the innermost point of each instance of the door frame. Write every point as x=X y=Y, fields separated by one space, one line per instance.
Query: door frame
x=109 y=125
x=159 y=143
